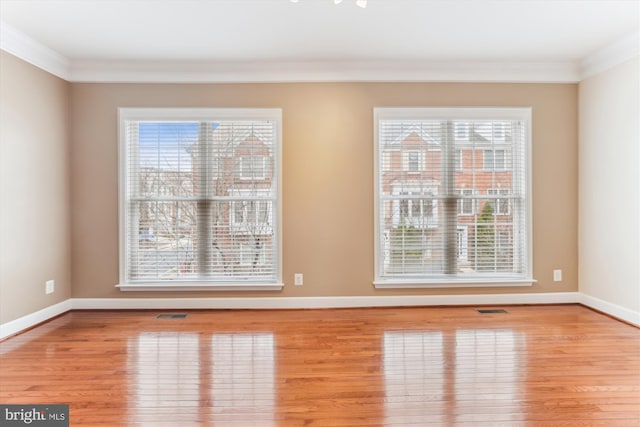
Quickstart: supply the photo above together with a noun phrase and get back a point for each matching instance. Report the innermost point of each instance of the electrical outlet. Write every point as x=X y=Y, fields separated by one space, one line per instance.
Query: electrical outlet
x=49 y=286
x=557 y=275
x=298 y=279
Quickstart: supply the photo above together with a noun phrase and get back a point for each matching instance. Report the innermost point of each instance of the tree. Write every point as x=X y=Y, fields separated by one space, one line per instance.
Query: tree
x=406 y=247
x=202 y=202
x=485 y=240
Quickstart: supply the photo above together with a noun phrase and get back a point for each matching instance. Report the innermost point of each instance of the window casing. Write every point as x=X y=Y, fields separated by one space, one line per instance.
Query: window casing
x=200 y=199
x=477 y=230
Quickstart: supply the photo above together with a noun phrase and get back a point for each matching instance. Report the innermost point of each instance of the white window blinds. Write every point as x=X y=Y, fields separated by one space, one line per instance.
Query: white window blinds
x=462 y=213
x=199 y=196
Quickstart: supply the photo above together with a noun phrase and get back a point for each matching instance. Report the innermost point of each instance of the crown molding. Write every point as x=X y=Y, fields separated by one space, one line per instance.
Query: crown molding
x=362 y=71
x=33 y=52
x=26 y=48
x=610 y=55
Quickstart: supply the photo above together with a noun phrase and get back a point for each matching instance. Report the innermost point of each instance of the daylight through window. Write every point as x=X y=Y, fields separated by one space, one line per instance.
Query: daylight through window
x=452 y=196
x=199 y=196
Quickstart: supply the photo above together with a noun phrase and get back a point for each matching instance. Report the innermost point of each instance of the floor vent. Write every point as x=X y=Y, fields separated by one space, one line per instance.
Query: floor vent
x=171 y=316
x=492 y=311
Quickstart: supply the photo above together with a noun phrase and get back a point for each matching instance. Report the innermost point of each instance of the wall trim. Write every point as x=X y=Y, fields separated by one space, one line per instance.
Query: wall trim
x=36 y=53
x=611 y=309
x=322 y=302
x=338 y=71
x=33 y=52
x=25 y=322
x=102 y=71
x=610 y=55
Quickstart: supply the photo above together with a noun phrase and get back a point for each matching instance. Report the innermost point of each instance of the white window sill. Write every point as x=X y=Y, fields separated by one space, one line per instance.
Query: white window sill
x=444 y=283
x=186 y=286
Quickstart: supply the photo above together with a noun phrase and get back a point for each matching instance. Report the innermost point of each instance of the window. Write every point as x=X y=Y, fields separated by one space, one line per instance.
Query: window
x=448 y=226
x=494 y=159
x=462 y=237
x=415 y=207
x=417 y=212
x=499 y=204
x=466 y=206
x=413 y=160
x=199 y=199
x=252 y=167
x=252 y=217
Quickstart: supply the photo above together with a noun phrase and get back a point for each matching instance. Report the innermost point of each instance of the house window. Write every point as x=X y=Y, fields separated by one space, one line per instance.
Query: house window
x=252 y=167
x=187 y=222
x=417 y=212
x=494 y=159
x=467 y=233
x=501 y=203
x=462 y=239
x=466 y=206
x=251 y=217
x=413 y=161
x=415 y=207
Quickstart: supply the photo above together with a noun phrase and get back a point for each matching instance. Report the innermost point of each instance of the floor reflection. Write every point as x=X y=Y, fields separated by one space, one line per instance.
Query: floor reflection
x=487 y=374
x=546 y=365
x=168 y=370
x=435 y=377
x=242 y=378
x=414 y=377
x=225 y=379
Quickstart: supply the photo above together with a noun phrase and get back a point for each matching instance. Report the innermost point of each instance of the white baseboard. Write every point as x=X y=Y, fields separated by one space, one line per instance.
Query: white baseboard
x=25 y=322
x=323 y=302
x=611 y=309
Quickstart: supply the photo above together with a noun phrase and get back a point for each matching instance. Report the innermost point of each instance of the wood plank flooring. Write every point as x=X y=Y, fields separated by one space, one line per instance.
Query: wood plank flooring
x=533 y=366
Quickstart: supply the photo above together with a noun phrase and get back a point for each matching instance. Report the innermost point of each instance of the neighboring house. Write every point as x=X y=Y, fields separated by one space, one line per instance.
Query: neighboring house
x=415 y=219
x=227 y=202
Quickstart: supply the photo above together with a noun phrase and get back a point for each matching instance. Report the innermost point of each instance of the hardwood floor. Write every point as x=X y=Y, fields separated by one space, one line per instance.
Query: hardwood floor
x=533 y=366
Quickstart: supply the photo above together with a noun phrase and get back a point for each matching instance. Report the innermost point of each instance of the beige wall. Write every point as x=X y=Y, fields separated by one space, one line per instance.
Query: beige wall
x=610 y=186
x=34 y=188
x=327 y=176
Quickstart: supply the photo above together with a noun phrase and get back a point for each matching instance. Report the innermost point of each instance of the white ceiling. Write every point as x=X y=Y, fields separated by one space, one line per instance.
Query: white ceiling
x=166 y=38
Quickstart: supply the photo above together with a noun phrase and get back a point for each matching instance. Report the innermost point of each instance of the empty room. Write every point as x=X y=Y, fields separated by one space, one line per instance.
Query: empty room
x=320 y=213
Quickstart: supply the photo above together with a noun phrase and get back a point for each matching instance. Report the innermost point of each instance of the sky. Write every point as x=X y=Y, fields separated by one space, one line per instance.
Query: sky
x=166 y=144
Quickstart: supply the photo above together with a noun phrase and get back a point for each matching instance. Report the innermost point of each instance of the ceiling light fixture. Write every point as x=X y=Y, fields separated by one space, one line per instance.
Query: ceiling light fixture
x=359 y=3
